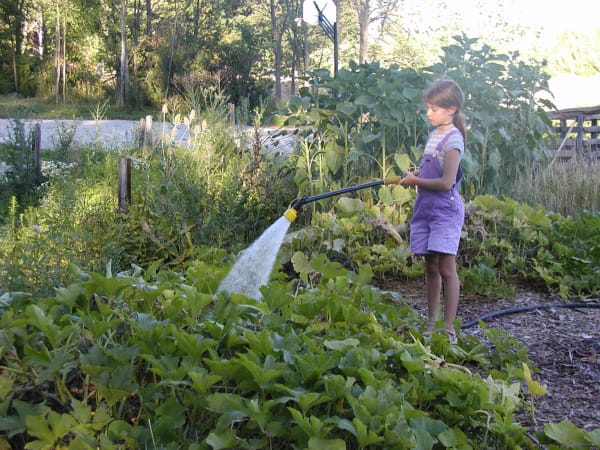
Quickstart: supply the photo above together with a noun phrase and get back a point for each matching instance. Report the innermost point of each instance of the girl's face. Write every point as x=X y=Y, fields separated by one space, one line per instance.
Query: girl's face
x=439 y=116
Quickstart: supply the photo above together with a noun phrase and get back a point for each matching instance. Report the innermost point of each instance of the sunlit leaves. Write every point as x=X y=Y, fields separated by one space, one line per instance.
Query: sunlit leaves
x=569 y=436
x=535 y=387
x=321 y=366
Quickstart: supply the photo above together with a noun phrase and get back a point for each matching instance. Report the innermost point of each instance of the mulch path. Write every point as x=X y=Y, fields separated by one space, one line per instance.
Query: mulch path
x=562 y=343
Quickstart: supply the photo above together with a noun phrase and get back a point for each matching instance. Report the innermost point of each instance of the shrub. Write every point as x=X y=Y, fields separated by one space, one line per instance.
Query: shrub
x=362 y=121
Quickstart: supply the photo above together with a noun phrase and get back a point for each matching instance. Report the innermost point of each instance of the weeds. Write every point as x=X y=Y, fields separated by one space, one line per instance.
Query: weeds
x=209 y=192
x=566 y=187
x=18 y=177
x=63 y=141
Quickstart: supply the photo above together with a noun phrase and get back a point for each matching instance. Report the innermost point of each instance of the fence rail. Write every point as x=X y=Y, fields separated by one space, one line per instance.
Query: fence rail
x=577 y=130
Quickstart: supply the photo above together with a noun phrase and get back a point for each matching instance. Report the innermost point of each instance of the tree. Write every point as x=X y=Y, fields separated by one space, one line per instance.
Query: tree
x=372 y=12
x=276 y=33
x=15 y=13
x=363 y=11
x=123 y=83
x=283 y=14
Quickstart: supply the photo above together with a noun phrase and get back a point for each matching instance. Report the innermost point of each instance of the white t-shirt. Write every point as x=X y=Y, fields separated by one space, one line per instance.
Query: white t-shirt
x=454 y=142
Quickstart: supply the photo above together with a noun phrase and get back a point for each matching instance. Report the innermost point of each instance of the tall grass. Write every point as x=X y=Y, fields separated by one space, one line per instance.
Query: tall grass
x=566 y=187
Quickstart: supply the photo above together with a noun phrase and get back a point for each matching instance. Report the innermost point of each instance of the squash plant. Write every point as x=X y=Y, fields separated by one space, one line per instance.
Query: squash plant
x=155 y=359
x=509 y=238
x=502 y=240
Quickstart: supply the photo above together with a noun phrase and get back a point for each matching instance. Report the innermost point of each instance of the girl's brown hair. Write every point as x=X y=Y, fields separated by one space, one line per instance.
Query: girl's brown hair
x=445 y=93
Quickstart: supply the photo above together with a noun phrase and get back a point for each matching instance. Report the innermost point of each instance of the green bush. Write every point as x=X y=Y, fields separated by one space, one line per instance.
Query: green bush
x=214 y=193
x=152 y=358
x=18 y=177
x=362 y=121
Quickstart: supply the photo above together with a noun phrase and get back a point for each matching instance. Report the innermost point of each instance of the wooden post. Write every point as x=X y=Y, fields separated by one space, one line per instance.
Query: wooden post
x=579 y=145
x=232 y=115
x=36 y=144
x=124 y=176
x=146 y=134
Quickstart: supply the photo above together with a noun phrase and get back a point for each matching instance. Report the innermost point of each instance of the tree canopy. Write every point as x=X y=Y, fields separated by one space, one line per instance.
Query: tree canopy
x=145 y=51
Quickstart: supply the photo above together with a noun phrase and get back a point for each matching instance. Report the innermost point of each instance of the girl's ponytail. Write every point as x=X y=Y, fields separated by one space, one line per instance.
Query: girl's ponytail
x=460 y=121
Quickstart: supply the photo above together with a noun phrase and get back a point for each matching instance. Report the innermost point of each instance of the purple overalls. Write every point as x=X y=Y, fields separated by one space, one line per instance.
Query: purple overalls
x=438 y=216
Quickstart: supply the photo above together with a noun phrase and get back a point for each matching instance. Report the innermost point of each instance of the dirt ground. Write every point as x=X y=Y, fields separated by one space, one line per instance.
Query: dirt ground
x=563 y=344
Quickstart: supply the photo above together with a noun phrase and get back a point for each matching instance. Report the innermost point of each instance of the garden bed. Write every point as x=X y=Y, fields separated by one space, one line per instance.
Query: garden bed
x=562 y=343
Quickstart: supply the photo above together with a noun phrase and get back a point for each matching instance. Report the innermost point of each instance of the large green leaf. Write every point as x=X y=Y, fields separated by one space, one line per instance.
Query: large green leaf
x=316 y=443
x=567 y=435
x=350 y=206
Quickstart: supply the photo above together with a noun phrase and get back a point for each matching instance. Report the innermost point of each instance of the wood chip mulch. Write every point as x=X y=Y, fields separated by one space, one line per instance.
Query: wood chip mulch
x=562 y=343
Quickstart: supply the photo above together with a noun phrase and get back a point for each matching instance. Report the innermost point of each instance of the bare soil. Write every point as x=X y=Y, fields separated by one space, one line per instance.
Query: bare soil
x=563 y=344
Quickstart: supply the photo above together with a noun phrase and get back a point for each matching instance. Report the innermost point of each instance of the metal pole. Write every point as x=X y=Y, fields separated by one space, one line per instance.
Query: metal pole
x=331 y=32
x=335 y=49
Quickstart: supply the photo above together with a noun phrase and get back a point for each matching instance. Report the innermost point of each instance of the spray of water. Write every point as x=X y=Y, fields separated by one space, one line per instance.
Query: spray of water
x=255 y=264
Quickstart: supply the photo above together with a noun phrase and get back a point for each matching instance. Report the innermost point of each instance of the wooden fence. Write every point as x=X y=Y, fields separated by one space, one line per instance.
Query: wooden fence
x=577 y=132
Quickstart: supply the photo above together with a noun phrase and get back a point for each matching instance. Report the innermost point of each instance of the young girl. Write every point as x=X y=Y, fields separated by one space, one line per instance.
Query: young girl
x=438 y=212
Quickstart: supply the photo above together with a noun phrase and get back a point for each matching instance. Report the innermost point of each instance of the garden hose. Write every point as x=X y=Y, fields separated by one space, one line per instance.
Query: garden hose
x=507 y=311
x=298 y=203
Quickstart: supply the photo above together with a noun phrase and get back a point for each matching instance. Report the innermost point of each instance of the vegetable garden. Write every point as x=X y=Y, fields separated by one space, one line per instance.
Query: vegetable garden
x=112 y=335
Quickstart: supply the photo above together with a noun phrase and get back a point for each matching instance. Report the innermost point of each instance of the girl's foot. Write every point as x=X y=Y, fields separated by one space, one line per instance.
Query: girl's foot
x=429 y=328
x=451 y=336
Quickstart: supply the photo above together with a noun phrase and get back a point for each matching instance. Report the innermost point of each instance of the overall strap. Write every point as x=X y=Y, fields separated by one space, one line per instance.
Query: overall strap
x=441 y=144
x=440 y=147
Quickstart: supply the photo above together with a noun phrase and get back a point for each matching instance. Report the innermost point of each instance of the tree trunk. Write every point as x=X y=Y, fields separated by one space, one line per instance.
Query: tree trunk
x=15 y=72
x=305 y=47
x=363 y=10
x=174 y=34
x=123 y=88
x=64 y=58
x=276 y=50
x=197 y=19
x=17 y=29
x=41 y=36
x=149 y=20
x=57 y=48
x=137 y=13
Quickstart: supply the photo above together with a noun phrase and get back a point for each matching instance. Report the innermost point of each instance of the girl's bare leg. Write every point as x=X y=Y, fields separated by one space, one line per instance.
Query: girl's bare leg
x=433 y=287
x=449 y=276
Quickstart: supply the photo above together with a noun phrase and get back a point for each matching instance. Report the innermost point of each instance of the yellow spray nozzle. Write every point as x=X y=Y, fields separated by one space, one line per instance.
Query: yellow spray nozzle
x=291 y=214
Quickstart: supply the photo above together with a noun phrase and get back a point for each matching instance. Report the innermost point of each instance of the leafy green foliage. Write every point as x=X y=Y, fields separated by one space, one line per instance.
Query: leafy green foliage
x=121 y=361
x=505 y=100
x=360 y=120
x=146 y=354
x=18 y=176
x=215 y=193
x=357 y=122
x=507 y=237
x=503 y=241
x=568 y=435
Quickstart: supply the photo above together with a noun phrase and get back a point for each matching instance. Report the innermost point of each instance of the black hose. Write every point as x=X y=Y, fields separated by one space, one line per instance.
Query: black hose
x=298 y=203
x=507 y=311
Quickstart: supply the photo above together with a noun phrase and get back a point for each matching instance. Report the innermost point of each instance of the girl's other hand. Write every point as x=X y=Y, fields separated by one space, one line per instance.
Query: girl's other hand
x=410 y=178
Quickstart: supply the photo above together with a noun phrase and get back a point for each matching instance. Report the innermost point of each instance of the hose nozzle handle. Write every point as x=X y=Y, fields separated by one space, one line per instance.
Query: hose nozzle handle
x=392 y=180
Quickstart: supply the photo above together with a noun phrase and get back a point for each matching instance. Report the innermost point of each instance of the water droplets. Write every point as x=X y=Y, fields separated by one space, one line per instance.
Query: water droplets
x=255 y=264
